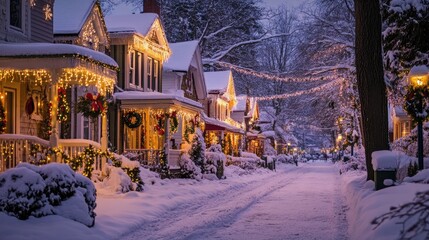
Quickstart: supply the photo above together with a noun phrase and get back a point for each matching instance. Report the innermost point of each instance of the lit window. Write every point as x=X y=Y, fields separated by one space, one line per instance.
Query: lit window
x=155 y=76
x=132 y=66
x=149 y=73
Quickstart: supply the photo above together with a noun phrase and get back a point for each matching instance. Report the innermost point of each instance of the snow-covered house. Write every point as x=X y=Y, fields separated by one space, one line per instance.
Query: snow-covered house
x=36 y=82
x=219 y=126
x=246 y=112
x=183 y=76
x=401 y=123
x=145 y=117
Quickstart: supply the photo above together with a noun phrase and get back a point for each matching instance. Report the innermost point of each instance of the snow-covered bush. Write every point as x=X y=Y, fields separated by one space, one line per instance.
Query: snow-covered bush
x=248 y=163
x=283 y=158
x=215 y=162
x=215 y=148
x=28 y=190
x=22 y=194
x=117 y=181
x=408 y=144
x=188 y=169
x=354 y=163
x=131 y=168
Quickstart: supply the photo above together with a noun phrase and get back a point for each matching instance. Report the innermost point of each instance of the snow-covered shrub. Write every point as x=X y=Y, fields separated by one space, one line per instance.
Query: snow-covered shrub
x=283 y=158
x=28 y=190
x=117 y=181
x=22 y=194
x=131 y=168
x=215 y=162
x=87 y=188
x=408 y=144
x=420 y=177
x=60 y=181
x=244 y=163
x=355 y=163
x=188 y=169
x=215 y=148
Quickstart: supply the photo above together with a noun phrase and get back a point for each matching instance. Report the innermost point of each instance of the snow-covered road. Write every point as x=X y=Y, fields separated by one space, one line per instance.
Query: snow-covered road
x=296 y=203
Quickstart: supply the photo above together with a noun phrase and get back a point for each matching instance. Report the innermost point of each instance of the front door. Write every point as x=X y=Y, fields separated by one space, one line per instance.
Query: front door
x=10 y=110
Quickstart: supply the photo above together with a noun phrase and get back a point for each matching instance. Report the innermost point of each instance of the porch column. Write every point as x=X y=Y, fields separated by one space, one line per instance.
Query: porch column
x=54 y=138
x=103 y=140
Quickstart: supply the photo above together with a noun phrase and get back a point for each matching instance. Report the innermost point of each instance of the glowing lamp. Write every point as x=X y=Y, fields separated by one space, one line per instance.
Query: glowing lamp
x=419 y=76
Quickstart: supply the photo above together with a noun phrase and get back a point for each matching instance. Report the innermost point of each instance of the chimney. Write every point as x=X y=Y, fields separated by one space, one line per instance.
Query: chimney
x=151 y=6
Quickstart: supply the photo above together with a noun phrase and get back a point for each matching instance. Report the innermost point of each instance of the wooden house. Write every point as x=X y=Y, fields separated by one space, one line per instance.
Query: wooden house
x=247 y=112
x=219 y=126
x=37 y=78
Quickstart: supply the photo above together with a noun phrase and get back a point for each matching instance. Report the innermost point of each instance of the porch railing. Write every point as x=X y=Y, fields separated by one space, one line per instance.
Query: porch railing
x=16 y=148
x=147 y=157
x=73 y=147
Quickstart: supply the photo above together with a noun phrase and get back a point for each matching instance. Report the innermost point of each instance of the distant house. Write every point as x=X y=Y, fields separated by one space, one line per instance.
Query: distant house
x=220 y=127
x=401 y=122
x=247 y=112
x=183 y=76
x=37 y=78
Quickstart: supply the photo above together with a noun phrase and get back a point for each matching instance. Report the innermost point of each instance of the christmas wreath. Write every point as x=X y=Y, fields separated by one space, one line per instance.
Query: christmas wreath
x=2 y=118
x=174 y=123
x=91 y=105
x=132 y=119
x=416 y=102
x=63 y=107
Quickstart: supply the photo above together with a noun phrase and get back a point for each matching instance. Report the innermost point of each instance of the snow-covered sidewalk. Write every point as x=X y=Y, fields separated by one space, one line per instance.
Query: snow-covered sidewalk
x=293 y=203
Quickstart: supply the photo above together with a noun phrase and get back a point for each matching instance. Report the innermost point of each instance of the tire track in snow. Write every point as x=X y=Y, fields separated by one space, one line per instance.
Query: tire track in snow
x=211 y=211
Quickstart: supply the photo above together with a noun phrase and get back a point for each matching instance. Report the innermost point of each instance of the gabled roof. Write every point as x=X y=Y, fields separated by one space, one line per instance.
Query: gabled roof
x=70 y=15
x=217 y=80
x=181 y=57
x=241 y=103
x=131 y=23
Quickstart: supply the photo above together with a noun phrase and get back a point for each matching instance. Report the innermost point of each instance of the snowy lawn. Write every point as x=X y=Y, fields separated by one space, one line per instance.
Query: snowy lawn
x=118 y=214
x=366 y=205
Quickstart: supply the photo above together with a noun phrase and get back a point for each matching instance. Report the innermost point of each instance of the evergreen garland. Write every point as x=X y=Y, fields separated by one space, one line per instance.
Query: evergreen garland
x=163 y=164
x=2 y=118
x=63 y=109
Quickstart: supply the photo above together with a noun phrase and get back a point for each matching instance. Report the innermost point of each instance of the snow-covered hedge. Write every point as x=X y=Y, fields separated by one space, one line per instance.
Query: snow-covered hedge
x=283 y=158
x=248 y=161
x=354 y=163
x=52 y=189
x=188 y=169
x=408 y=144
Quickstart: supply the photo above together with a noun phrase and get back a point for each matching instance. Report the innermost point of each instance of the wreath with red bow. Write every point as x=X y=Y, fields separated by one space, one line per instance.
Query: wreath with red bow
x=91 y=105
x=416 y=102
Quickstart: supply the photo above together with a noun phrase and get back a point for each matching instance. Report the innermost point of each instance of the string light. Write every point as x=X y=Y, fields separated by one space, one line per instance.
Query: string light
x=84 y=77
x=147 y=45
x=272 y=77
x=37 y=76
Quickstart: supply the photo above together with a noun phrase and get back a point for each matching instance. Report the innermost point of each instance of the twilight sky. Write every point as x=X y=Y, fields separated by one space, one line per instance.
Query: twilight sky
x=124 y=9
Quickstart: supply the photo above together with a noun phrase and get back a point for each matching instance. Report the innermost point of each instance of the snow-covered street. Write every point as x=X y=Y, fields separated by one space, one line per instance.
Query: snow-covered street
x=295 y=203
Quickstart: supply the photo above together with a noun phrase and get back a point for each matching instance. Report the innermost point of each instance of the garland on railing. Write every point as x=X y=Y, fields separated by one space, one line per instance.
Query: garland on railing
x=2 y=118
x=63 y=109
x=91 y=105
x=132 y=119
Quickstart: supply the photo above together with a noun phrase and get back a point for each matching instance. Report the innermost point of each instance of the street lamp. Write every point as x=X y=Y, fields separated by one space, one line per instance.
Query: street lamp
x=415 y=103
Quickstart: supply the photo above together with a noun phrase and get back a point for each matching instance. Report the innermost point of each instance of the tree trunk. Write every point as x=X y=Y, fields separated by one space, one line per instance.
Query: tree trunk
x=372 y=89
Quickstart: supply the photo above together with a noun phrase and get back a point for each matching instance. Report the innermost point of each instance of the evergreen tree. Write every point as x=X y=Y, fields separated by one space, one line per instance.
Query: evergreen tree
x=198 y=148
x=405 y=40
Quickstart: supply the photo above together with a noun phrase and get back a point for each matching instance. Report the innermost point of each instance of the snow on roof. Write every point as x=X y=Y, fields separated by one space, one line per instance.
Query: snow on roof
x=181 y=57
x=134 y=23
x=241 y=103
x=28 y=50
x=69 y=16
x=137 y=95
x=217 y=80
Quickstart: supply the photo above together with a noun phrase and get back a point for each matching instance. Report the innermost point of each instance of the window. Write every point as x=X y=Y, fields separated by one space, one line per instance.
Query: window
x=15 y=17
x=155 y=76
x=132 y=66
x=138 y=68
x=149 y=73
